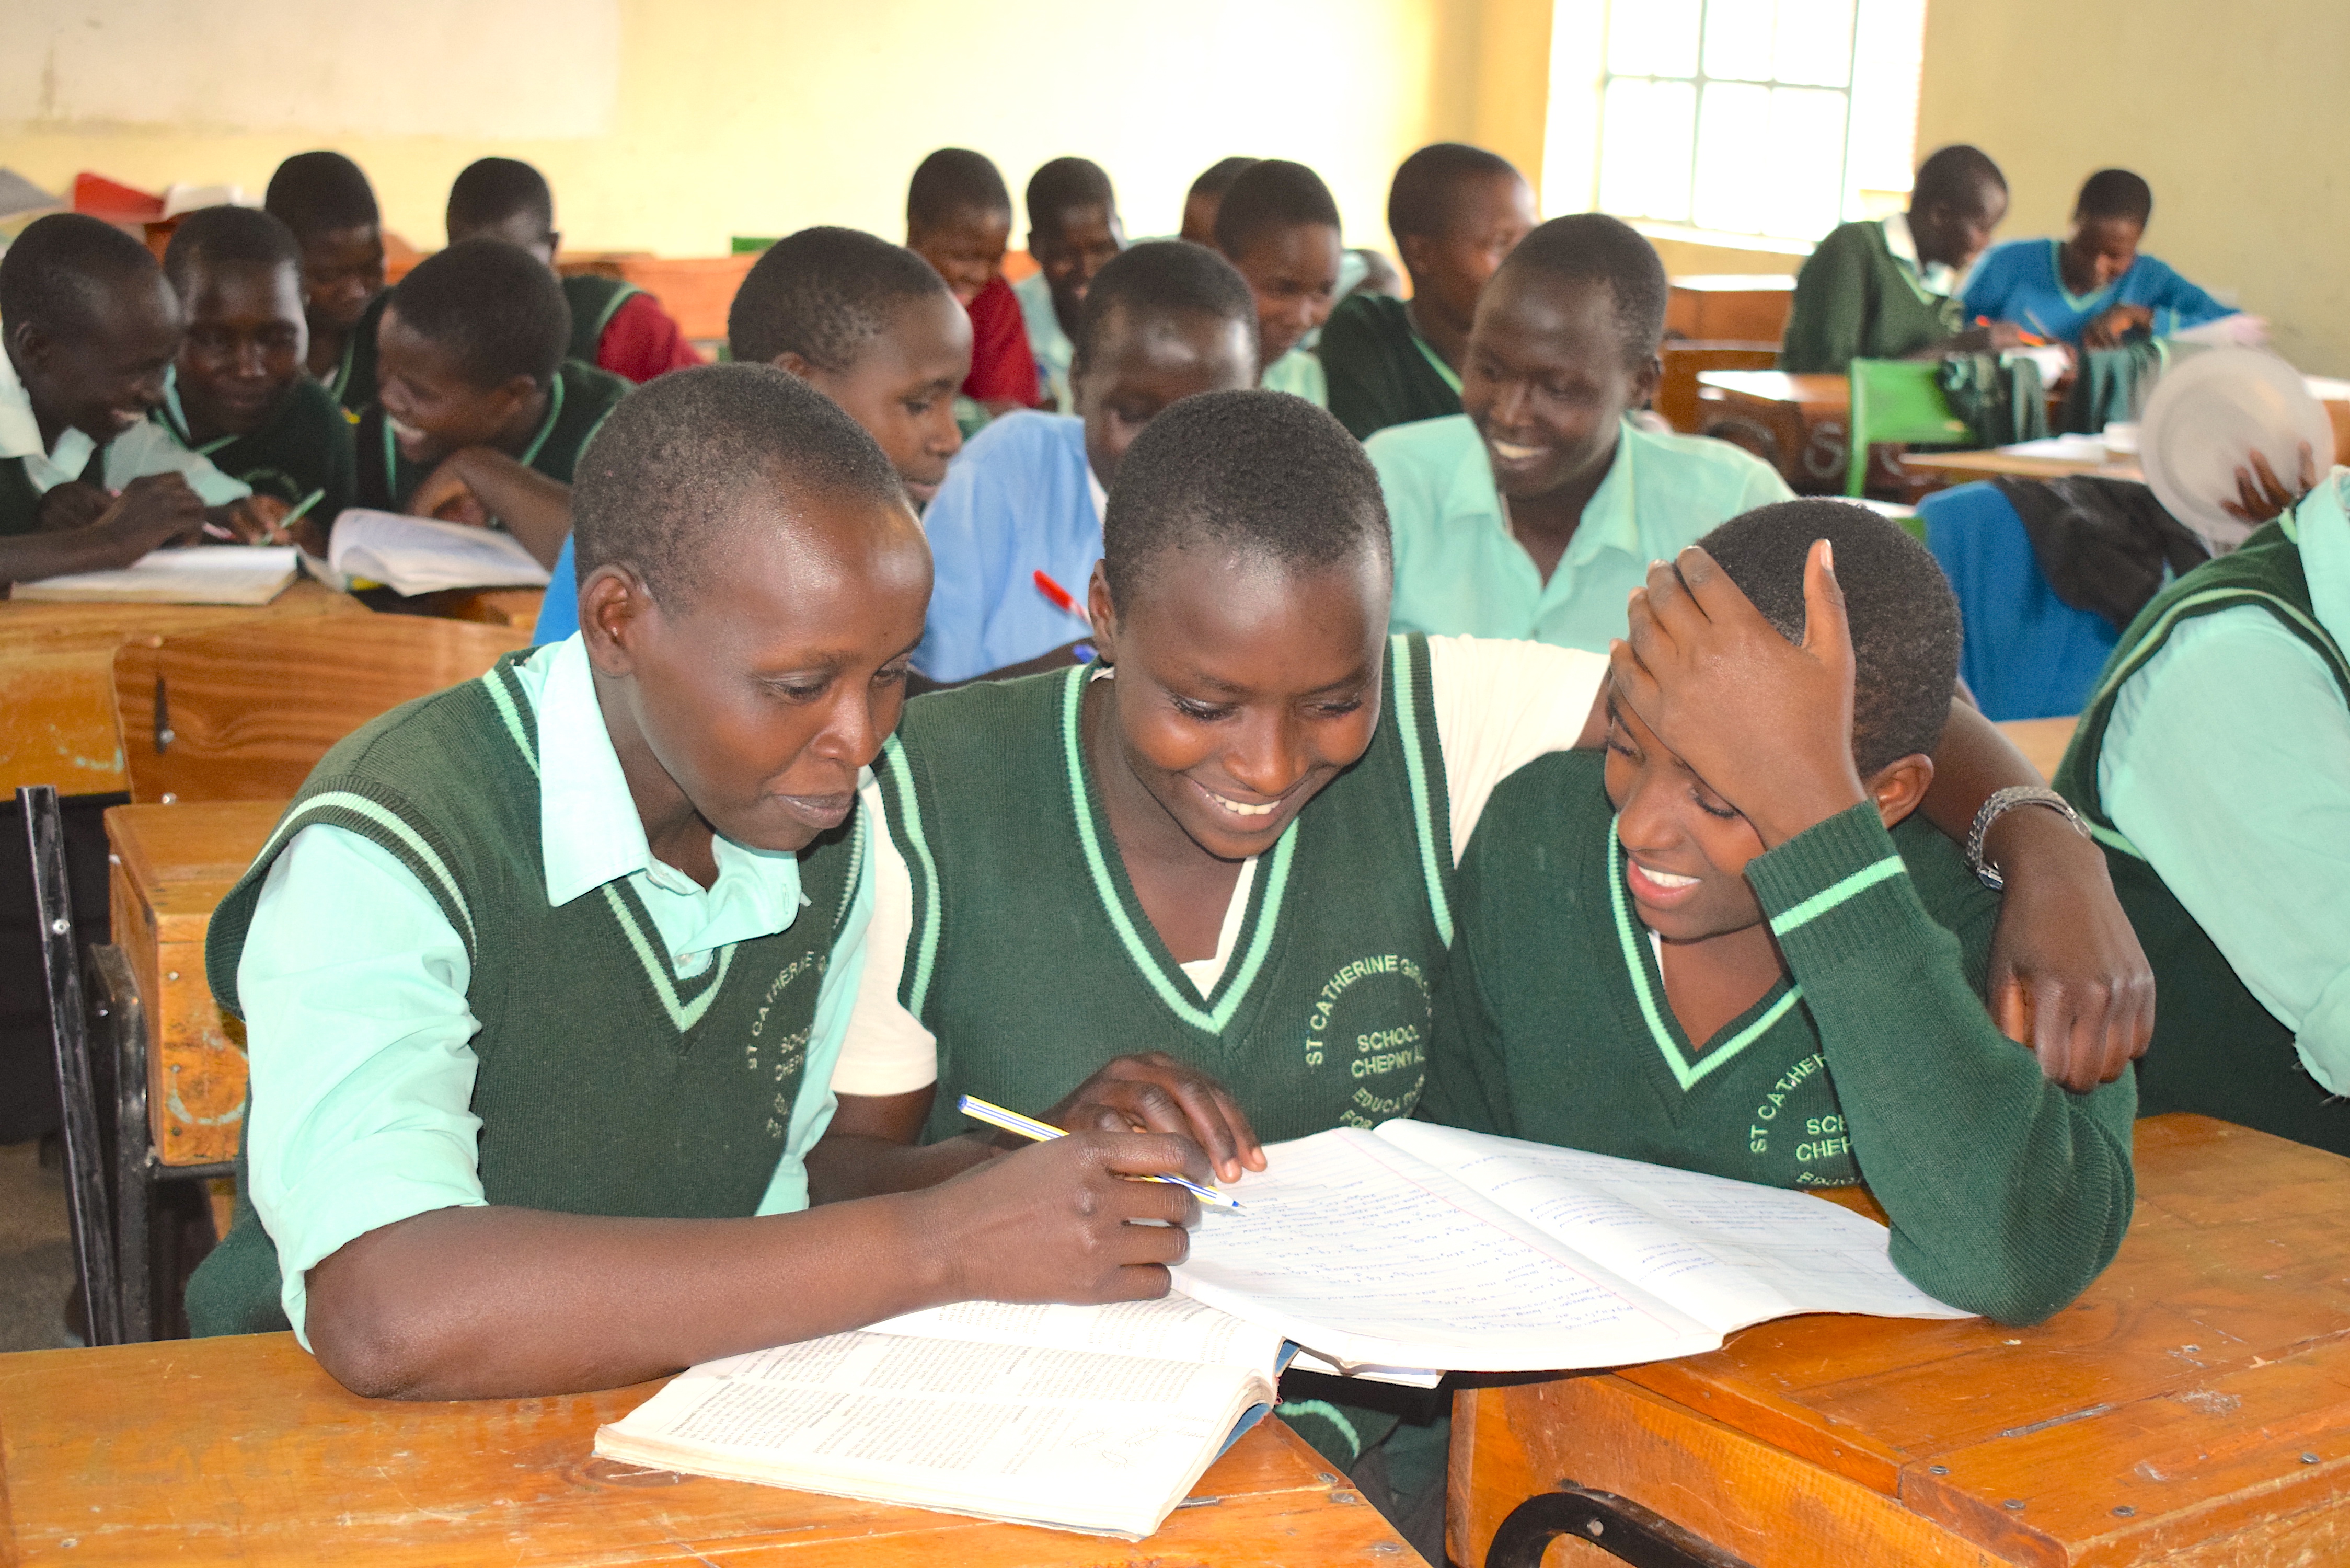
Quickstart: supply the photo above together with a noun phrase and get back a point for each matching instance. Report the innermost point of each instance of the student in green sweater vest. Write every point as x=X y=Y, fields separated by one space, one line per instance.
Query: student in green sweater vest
x=328 y=203
x=480 y=419
x=1279 y=228
x=615 y=325
x=1456 y=212
x=1888 y=289
x=1729 y=946
x=543 y=975
x=237 y=393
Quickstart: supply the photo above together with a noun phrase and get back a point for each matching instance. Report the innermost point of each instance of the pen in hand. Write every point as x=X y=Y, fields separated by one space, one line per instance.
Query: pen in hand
x=1019 y=1126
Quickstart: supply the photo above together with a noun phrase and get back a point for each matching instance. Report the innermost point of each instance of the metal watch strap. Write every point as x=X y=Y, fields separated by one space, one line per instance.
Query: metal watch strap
x=1998 y=805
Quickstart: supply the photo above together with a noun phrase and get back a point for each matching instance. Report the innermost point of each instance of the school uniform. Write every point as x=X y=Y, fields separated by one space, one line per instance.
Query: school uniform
x=1459 y=570
x=2023 y=282
x=1872 y=1060
x=578 y=400
x=1299 y=373
x=1864 y=294
x=302 y=448
x=466 y=979
x=1003 y=365
x=1009 y=958
x=1380 y=371
x=352 y=380
x=30 y=468
x=1051 y=348
x=1021 y=498
x=619 y=328
x=2213 y=762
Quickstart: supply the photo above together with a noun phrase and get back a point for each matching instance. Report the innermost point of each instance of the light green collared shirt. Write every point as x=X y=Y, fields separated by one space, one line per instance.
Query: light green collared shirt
x=2227 y=763
x=1050 y=345
x=145 y=448
x=354 y=987
x=1459 y=571
x=1299 y=373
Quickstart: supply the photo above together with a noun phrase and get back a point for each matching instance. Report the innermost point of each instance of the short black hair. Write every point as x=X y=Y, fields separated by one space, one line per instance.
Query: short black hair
x=493 y=305
x=227 y=236
x=2116 y=194
x=824 y=294
x=953 y=180
x=1263 y=473
x=62 y=269
x=1063 y=183
x=492 y=190
x=1218 y=177
x=315 y=192
x=1956 y=176
x=1427 y=189
x=1166 y=278
x=663 y=479
x=1592 y=247
x=1272 y=193
x=1904 y=617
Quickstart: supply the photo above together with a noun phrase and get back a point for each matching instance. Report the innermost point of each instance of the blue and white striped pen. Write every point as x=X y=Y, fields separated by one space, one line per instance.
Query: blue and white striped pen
x=1015 y=1123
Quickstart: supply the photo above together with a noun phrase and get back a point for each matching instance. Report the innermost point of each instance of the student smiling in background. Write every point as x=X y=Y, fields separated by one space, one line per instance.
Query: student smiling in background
x=328 y=203
x=958 y=219
x=1278 y=226
x=1074 y=232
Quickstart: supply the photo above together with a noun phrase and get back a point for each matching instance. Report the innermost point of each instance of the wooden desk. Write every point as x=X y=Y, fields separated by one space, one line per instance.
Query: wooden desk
x=1805 y=417
x=172 y=866
x=2042 y=741
x=1957 y=467
x=241 y=1451
x=2193 y=1407
x=1729 y=304
x=57 y=678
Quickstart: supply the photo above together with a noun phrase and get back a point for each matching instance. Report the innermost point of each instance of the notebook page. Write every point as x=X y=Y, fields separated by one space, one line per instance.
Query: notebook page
x=419 y=555
x=1364 y=1254
x=199 y=575
x=1730 y=1253
x=1173 y=1328
x=1067 y=1438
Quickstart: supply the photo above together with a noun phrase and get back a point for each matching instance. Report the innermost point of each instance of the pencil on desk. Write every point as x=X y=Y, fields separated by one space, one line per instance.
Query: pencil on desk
x=1015 y=1123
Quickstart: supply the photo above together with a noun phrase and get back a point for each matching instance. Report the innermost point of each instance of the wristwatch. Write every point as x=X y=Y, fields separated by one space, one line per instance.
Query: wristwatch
x=1998 y=805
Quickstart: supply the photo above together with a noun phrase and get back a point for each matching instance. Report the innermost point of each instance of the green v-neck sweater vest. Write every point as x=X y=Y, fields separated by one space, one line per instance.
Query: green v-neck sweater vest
x=1034 y=965
x=609 y=1083
x=1871 y=1060
x=2216 y=1049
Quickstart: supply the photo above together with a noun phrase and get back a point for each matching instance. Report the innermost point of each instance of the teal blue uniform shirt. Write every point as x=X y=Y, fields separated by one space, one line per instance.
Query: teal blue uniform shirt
x=354 y=988
x=1460 y=572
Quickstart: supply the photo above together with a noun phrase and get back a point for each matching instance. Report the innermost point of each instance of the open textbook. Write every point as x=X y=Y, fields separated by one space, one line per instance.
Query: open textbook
x=421 y=556
x=1088 y=1419
x=195 y=575
x=1415 y=1245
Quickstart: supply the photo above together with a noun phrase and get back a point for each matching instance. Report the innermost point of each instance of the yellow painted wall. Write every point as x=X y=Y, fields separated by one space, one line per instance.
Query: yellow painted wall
x=758 y=116
x=2238 y=117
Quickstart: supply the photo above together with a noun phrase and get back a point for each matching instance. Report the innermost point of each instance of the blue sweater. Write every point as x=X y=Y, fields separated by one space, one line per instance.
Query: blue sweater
x=2021 y=282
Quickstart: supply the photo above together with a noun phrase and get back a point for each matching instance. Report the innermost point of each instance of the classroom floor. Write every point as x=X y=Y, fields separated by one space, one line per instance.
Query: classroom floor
x=35 y=1250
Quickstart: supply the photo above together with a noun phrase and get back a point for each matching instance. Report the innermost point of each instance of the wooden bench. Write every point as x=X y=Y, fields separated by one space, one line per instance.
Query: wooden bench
x=2191 y=1408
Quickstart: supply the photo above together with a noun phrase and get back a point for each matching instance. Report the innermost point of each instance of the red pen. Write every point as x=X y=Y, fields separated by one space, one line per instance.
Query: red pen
x=1062 y=599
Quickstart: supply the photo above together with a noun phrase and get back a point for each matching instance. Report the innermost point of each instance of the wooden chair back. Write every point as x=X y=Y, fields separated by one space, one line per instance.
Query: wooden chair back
x=245 y=713
x=1684 y=360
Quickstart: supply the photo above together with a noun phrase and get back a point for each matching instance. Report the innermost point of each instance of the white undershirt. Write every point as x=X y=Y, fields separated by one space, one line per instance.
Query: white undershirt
x=1499 y=705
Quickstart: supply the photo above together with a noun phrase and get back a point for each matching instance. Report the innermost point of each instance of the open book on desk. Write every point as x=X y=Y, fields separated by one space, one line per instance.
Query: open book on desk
x=196 y=574
x=421 y=556
x=1415 y=1245
x=1096 y=1419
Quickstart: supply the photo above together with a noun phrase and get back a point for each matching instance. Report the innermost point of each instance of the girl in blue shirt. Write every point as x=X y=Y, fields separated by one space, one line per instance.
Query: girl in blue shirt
x=2092 y=289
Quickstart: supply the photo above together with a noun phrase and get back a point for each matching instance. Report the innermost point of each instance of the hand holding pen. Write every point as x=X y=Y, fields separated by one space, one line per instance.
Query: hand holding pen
x=1030 y=1128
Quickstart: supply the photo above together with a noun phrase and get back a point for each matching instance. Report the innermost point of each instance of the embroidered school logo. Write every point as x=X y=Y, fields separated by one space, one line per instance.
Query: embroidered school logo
x=1370 y=1020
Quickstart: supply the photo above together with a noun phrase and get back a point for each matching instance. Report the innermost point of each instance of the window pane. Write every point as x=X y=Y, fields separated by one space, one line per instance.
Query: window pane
x=1804 y=195
x=1738 y=40
x=1652 y=37
x=1644 y=139
x=1814 y=41
x=1886 y=58
x=1733 y=158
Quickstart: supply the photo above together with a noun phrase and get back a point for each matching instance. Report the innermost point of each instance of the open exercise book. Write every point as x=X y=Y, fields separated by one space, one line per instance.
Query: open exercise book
x=1410 y=1247
x=421 y=556
x=196 y=574
x=1088 y=1419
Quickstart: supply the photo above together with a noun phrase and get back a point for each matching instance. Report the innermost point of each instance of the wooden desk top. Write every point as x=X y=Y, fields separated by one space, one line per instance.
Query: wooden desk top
x=57 y=678
x=2202 y=1382
x=184 y=859
x=241 y=1451
x=1819 y=395
x=1984 y=464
